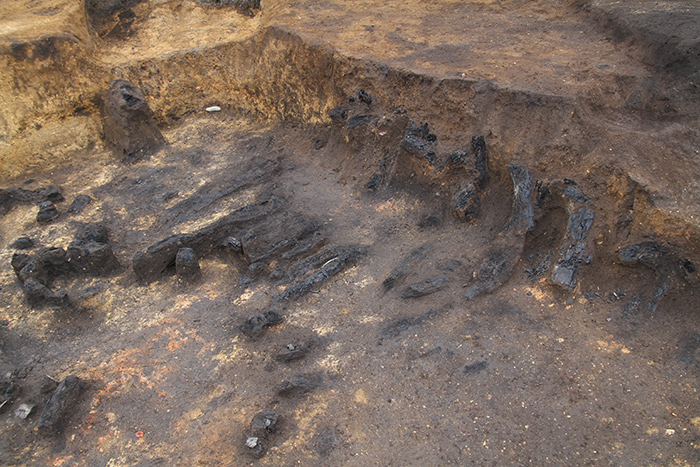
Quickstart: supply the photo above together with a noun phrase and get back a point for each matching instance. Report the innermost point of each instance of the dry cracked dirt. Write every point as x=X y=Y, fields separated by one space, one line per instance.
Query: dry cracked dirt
x=321 y=232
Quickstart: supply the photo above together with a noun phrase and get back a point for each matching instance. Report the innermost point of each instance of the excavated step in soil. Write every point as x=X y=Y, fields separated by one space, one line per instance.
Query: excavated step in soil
x=317 y=234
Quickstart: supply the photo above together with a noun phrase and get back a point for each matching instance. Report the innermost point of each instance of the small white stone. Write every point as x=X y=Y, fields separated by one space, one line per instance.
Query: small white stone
x=670 y=432
x=23 y=411
x=214 y=108
x=251 y=442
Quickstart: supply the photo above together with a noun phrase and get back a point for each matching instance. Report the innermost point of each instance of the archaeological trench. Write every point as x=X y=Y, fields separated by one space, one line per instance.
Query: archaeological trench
x=323 y=233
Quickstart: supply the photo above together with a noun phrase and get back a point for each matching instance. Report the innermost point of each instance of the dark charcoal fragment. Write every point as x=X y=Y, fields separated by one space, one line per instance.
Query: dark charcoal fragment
x=422 y=131
x=475 y=368
x=19 y=261
x=465 y=201
x=304 y=266
x=497 y=266
x=79 y=203
x=262 y=426
x=255 y=271
x=575 y=251
x=541 y=268
x=187 y=266
x=364 y=97
x=480 y=160
x=233 y=244
x=264 y=423
x=418 y=147
x=102 y=14
x=92 y=258
x=299 y=385
x=649 y=254
x=575 y=194
x=46 y=193
x=245 y=281
x=338 y=114
x=60 y=405
x=92 y=233
x=12 y=196
x=254 y=326
x=670 y=270
x=167 y=196
x=325 y=441
x=38 y=295
x=129 y=127
x=33 y=269
x=347 y=256
x=689 y=350
x=564 y=272
x=450 y=265
x=91 y=291
x=305 y=246
x=36 y=274
x=565 y=190
x=523 y=214
x=291 y=352
x=9 y=391
x=91 y=252
x=543 y=193
x=246 y=7
x=395 y=328
x=400 y=271
x=47 y=213
x=268 y=242
x=361 y=120
x=374 y=182
x=22 y=243
x=429 y=220
x=580 y=223
x=458 y=159
x=427 y=287
x=54 y=260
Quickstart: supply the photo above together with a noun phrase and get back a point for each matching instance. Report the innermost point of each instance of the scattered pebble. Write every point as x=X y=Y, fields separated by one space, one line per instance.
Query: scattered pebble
x=214 y=108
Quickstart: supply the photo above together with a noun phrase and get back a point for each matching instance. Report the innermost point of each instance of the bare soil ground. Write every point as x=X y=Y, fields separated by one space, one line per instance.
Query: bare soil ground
x=598 y=100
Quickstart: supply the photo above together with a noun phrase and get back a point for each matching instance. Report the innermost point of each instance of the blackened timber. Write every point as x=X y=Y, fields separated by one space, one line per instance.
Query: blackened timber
x=150 y=263
x=217 y=189
x=347 y=256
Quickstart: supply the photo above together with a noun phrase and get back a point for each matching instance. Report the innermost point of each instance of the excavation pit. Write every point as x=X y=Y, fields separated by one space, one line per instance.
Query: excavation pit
x=388 y=244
